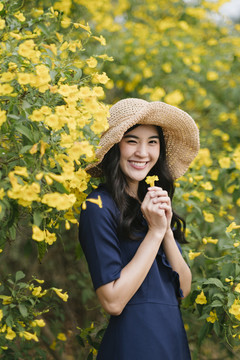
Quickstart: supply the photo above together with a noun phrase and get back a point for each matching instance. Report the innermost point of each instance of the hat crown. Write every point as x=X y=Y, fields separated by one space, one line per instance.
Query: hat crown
x=125 y=109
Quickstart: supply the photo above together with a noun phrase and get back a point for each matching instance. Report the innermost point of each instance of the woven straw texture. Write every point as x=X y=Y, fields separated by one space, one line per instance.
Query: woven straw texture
x=180 y=132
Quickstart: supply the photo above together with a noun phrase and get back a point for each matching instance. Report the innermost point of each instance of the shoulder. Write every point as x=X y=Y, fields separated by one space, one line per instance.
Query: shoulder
x=100 y=203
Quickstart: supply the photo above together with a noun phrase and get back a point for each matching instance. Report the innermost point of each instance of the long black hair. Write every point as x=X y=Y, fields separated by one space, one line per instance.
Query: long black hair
x=130 y=222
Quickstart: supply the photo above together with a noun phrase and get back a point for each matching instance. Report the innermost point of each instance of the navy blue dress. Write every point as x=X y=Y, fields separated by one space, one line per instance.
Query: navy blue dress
x=150 y=326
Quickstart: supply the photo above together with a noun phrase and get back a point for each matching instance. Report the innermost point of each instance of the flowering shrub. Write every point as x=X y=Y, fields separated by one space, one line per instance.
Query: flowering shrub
x=51 y=114
x=50 y=118
x=22 y=310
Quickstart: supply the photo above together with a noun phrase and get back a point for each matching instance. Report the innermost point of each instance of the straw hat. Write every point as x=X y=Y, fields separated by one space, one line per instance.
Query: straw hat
x=180 y=132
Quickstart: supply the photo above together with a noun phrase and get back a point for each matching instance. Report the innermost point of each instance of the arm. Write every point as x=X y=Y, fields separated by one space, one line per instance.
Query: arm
x=177 y=262
x=115 y=295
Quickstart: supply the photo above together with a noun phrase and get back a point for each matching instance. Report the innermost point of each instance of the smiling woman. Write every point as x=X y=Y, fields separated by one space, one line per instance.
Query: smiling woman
x=131 y=242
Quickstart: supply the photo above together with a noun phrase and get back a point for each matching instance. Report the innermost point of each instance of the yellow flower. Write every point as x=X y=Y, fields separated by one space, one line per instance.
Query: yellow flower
x=10 y=334
x=235 y=309
x=207 y=185
x=167 y=67
x=38 y=234
x=29 y=336
x=192 y=255
x=62 y=337
x=214 y=174
x=209 y=240
x=224 y=162
x=6 y=89
x=7 y=76
x=6 y=299
x=36 y=115
x=1 y=315
x=38 y=322
x=174 y=98
x=92 y=62
x=212 y=75
x=1 y=6
x=53 y=121
x=208 y=217
x=101 y=78
x=2 y=24
x=150 y=180
x=24 y=78
x=97 y=201
x=232 y=226
x=81 y=148
x=20 y=17
x=37 y=291
x=237 y=288
x=64 y=296
x=201 y=299
x=3 y=117
x=50 y=238
x=66 y=22
x=59 y=201
x=101 y=39
x=212 y=317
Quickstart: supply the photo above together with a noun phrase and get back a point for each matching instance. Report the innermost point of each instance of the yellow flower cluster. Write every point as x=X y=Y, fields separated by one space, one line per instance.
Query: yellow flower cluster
x=40 y=235
x=235 y=309
x=25 y=194
x=212 y=317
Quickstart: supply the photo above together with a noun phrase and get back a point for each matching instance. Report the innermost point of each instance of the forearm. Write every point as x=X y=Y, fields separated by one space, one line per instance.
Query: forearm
x=177 y=262
x=115 y=295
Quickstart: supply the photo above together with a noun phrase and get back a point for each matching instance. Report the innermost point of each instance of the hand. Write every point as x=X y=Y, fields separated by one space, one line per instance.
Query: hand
x=160 y=197
x=155 y=210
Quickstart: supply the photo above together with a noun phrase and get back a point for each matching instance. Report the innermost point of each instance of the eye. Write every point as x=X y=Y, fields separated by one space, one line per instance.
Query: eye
x=154 y=142
x=131 y=141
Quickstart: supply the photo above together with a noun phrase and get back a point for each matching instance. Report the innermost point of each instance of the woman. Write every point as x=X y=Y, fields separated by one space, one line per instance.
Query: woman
x=129 y=232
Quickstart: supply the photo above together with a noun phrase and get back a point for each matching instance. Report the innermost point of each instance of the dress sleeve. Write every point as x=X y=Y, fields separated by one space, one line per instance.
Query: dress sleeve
x=99 y=241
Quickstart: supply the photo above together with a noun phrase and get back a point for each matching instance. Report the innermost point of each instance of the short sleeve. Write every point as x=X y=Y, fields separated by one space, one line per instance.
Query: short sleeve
x=99 y=241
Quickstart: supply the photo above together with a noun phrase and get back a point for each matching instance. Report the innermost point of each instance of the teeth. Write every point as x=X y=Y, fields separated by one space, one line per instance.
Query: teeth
x=140 y=164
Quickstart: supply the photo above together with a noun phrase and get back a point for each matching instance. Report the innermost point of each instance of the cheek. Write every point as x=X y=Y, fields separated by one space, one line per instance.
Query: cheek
x=124 y=150
x=156 y=154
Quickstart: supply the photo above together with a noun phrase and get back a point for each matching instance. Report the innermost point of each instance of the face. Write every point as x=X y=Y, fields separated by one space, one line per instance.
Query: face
x=139 y=152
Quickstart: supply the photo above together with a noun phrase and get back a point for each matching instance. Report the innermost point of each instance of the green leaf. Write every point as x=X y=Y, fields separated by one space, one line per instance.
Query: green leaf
x=231 y=299
x=19 y=275
x=37 y=218
x=203 y=333
x=214 y=281
x=25 y=131
x=228 y=269
x=23 y=310
x=216 y=328
x=42 y=249
x=25 y=149
x=15 y=5
x=216 y=303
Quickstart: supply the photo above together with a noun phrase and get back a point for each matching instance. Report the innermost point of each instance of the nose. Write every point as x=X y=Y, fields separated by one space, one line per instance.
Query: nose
x=141 y=150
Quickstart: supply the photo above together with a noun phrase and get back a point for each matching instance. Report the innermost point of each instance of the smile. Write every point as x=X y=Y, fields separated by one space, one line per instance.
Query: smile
x=138 y=165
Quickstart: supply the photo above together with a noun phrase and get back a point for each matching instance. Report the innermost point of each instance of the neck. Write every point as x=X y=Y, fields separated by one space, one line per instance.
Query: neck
x=132 y=190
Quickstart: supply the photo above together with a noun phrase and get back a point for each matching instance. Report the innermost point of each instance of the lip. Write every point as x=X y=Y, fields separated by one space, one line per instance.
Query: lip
x=139 y=165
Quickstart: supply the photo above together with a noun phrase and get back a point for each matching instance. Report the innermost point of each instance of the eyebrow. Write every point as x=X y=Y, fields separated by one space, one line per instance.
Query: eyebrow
x=136 y=137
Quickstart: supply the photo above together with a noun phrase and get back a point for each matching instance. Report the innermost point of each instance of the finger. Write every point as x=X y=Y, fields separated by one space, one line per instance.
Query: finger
x=158 y=193
x=157 y=200
x=154 y=188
